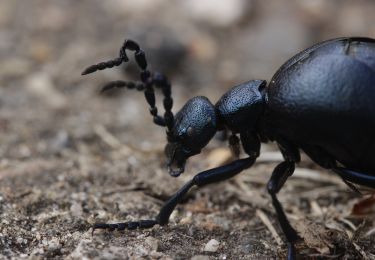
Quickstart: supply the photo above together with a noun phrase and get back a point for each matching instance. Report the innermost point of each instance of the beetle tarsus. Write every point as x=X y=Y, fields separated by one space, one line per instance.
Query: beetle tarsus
x=125 y=225
x=291 y=255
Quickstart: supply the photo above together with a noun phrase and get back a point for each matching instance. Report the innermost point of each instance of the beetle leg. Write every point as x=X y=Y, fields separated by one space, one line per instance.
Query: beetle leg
x=289 y=151
x=322 y=158
x=355 y=177
x=234 y=144
x=279 y=176
x=352 y=186
x=201 y=179
x=250 y=143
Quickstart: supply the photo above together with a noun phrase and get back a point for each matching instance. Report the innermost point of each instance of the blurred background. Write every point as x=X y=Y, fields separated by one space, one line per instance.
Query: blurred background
x=205 y=47
x=67 y=152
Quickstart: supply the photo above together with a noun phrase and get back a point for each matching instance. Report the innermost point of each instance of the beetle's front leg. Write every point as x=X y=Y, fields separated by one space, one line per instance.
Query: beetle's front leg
x=201 y=179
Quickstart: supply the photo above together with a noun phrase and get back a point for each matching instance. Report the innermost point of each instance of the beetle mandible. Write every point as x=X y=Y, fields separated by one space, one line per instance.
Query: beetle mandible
x=320 y=102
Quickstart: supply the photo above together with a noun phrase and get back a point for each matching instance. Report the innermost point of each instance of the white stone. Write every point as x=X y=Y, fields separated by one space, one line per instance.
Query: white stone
x=211 y=246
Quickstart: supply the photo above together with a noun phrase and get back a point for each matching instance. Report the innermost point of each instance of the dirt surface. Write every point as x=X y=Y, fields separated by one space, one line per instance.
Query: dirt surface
x=71 y=157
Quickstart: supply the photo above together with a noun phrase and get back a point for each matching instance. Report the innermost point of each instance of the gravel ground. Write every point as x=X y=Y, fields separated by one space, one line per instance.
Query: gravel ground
x=71 y=157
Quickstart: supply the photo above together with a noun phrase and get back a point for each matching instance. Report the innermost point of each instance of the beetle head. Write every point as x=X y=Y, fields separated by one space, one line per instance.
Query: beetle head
x=194 y=126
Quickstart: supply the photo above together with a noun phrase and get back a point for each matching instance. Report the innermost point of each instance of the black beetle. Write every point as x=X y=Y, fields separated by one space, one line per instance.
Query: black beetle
x=321 y=101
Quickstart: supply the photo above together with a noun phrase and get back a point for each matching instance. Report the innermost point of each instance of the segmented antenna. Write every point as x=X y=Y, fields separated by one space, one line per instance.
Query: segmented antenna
x=148 y=81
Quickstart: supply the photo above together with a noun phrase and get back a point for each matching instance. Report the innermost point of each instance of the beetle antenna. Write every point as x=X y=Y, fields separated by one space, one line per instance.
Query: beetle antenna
x=158 y=120
x=148 y=81
x=123 y=84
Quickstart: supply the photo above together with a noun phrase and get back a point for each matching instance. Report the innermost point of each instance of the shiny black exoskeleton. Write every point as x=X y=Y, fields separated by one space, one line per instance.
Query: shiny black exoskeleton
x=321 y=102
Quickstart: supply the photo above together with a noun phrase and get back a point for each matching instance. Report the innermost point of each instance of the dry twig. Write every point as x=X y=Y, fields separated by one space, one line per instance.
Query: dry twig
x=263 y=217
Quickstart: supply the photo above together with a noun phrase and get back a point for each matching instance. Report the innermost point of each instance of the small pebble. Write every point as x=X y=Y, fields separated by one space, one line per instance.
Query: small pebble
x=141 y=251
x=42 y=85
x=211 y=246
x=186 y=220
x=19 y=240
x=76 y=209
x=15 y=67
x=153 y=243
x=200 y=257
x=54 y=244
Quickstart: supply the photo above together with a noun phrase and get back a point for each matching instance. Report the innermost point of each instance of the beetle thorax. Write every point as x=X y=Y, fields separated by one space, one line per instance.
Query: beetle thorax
x=242 y=106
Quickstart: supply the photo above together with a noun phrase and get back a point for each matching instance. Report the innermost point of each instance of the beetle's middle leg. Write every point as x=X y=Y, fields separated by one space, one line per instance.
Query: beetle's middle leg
x=201 y=179
x=279 y=176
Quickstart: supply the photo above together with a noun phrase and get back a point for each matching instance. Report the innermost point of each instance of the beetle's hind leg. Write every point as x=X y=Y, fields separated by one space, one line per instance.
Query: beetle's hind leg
x=322 y=158
x=351 y=176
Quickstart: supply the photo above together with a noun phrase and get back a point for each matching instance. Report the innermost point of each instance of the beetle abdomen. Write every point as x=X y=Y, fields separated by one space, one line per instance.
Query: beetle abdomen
x=325 y=96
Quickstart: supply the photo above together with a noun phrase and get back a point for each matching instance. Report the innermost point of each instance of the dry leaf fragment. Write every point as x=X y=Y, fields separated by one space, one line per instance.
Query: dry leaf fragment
x=365 y=206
